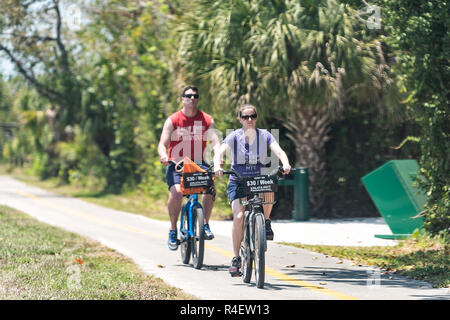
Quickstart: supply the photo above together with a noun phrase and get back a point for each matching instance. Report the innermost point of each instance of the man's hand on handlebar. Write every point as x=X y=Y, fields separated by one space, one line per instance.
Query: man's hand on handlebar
x=164 y=160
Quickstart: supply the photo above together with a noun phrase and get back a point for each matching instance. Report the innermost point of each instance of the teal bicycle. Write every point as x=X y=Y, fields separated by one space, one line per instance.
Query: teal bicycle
x=254 y=243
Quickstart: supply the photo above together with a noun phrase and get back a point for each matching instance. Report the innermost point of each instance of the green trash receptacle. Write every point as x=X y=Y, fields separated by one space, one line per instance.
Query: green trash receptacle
x=396 y=196
x=301 y=195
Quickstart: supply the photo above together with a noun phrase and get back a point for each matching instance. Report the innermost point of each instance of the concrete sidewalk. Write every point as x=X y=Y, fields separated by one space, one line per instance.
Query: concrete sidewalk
x=336 y=232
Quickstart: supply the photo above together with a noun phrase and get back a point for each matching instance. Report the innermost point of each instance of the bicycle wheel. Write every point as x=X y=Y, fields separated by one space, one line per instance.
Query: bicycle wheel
x=198 y=241
x=185 y=245
x=260 y=245
x=246 y=262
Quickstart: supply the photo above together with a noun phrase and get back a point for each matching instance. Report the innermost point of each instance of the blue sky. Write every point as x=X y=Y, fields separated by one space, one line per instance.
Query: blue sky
x=71 y=16
x=6 y=67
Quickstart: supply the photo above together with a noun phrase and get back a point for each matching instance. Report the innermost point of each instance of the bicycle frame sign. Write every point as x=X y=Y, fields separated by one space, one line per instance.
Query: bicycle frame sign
x=197 y=179
x=259 y=184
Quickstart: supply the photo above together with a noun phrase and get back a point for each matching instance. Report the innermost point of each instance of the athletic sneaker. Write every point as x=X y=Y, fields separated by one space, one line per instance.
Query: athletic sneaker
x=208 y=234
x=173 y=241
x=269 y=231
x=235 y=266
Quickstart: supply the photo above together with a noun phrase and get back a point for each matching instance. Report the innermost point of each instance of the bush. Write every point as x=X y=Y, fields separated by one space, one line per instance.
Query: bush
x=418 y=32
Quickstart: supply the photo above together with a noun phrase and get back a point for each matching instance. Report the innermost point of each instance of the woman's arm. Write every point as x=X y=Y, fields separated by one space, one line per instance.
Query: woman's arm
x=275 y=147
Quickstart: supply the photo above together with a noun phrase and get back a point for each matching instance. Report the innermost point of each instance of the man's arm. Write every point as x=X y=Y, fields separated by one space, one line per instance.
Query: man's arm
x=218 y=160
x=164 y=141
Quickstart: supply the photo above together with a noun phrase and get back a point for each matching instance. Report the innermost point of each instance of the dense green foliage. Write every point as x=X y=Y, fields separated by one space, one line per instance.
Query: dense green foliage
x=90 y=102
x=418 y=31
x=316 y=56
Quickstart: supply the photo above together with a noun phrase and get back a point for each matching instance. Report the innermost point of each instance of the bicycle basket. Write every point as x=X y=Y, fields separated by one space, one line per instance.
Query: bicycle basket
x=258 y=184
x=194 y=179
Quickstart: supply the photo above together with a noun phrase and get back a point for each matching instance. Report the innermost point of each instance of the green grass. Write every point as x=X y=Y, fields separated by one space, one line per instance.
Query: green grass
x=421 y=258
x=38 y=261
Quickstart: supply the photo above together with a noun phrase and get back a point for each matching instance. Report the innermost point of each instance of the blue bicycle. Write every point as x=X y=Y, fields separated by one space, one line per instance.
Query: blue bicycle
x=192 y=235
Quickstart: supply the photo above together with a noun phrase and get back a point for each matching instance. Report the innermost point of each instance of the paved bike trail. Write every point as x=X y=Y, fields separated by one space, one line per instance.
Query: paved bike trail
x=291 y=273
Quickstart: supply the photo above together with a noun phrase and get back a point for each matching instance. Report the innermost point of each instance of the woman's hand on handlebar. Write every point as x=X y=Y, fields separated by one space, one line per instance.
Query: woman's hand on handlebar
x=282 y=169
x=286 y=168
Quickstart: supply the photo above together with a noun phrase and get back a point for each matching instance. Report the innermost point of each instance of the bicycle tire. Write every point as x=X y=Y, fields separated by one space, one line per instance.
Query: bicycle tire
x=185 y=245
x=260 y=245
x=246 y=262
x=198 y=241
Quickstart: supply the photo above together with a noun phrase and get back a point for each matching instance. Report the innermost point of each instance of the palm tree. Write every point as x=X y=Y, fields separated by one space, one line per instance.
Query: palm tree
x=306 y=58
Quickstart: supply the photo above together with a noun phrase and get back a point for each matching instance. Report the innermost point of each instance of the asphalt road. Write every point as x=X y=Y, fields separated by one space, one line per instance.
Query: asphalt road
x=291 y=274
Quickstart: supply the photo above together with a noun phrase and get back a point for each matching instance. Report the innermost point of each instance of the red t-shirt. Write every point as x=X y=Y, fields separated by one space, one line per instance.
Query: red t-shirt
x=188 y=138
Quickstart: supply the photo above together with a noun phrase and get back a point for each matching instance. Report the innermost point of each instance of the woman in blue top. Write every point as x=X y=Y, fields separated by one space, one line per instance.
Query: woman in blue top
x=249 y=149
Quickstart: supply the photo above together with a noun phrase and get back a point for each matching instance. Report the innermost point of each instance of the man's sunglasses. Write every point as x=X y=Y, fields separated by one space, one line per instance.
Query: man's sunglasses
x=249 y=117
x=189 y=95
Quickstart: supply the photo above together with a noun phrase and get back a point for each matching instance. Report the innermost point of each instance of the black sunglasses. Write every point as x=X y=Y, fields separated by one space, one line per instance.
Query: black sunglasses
x=249 y=117
x=189 y=95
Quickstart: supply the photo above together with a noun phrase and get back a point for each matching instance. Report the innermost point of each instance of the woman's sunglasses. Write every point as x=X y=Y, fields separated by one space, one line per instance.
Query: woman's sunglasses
x=188 y=95
x=249 y=117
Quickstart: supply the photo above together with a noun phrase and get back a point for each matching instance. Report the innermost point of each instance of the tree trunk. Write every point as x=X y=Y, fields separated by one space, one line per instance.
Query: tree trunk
x=308 y=130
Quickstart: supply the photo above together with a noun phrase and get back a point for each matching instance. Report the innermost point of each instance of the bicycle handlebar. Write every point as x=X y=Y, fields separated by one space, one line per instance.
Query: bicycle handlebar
x=276 y=173
x=179 y=166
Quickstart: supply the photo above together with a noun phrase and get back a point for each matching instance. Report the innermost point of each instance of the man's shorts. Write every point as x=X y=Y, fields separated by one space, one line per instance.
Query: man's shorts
x=173 y=177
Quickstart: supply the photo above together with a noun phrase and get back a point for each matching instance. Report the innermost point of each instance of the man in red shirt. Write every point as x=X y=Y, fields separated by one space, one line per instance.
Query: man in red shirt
x=185 y=133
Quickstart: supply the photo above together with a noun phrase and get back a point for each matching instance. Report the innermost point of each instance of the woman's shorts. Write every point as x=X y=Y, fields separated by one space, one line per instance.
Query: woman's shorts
x=234 y=191
x=173 y=177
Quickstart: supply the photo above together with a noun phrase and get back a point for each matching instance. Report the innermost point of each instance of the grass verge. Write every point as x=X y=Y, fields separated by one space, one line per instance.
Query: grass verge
x=421 y=258
x=39 y=261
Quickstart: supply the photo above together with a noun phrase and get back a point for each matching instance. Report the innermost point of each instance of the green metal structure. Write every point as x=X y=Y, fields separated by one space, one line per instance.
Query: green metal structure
x=301 y=196
x=396 y=196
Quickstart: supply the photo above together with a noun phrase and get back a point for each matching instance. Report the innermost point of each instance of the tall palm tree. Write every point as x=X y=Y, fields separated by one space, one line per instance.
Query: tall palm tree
x=304 y=59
